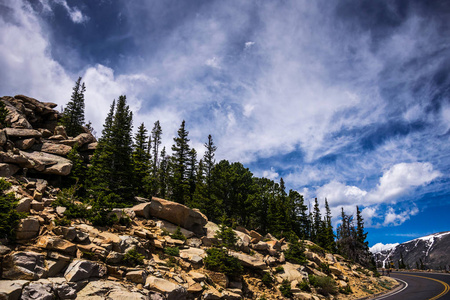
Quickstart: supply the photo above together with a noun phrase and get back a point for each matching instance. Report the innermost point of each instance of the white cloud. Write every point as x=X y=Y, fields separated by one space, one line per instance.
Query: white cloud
x=270 y=174
x=378 y=247
x=395 y=219
x=74 y=13
x=248 y=45
x=401 y=178
x=396 y=182
x=213 y=63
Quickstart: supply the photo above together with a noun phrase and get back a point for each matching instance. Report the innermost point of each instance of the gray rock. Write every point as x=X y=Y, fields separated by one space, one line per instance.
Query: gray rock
x=171 y=290
x=11 y=289
x=53 y=164
x=51 y=148
x=3 y=138
x=7 y=170
x=22 y=133
x=84 y=269
x=24 y=265
x=38 y=290
x=25 y=144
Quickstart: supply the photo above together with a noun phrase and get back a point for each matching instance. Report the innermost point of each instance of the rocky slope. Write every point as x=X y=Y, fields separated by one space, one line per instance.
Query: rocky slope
x=81 y=261
x=428 y=252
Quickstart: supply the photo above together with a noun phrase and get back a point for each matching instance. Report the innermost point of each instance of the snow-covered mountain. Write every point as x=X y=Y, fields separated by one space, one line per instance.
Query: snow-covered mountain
x=428 y=252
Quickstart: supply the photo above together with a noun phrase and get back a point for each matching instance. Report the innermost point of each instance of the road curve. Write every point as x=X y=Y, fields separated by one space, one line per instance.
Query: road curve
x=420 y=286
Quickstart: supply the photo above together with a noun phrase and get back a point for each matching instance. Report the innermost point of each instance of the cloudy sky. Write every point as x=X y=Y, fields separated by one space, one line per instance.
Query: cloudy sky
x=346 y=100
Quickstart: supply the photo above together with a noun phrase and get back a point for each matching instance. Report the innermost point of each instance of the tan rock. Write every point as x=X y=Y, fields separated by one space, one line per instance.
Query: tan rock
x=195 y=288
x=57 y=149
x=60 y=130
x=292 y=272
x=137 y=276
x=56 y=243
x=37 y=206
x=169 y=289
x=3 y=138
x=53 y=164
x=197 y=276
x=22 y=133
x=142 y=210
x=28 y=228
x=255 y=235
x=171 y=228
x=25 y=144
x=178 y=214
x=255 y=262
x=24 y=205
x=84 y=138
x=218 y=278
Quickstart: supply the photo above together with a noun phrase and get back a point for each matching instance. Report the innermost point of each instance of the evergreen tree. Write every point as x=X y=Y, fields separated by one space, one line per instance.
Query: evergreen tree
x=317 y=232
x=154 y=142
x=329 y=243
x=209 y=164
x=112 y=167
x=179 y=160
x=141 y=162
x=73 y=114
x=191 y=174
x=163 y=175
x=360 y=235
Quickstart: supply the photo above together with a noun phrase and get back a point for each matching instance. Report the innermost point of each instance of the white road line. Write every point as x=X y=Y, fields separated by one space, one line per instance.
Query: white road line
x=389 y=295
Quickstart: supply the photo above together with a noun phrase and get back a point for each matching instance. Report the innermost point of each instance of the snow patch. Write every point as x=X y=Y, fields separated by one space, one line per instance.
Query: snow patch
x=379 y=247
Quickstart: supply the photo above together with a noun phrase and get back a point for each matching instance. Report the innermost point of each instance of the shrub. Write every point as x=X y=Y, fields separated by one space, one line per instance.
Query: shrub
x=279 y=269
x=317 y=249
x=218 y=260
x=325 y=285
x=285 y=289
x=347 y=290
x=304 y=286
x=62 y=222
x=67 y=198
x=172 y=251
x=267 y=279
x=296 y=253
x=178 y=235
x=9 y=217
x=227 y=236
x=133 y=258
x=325 y=268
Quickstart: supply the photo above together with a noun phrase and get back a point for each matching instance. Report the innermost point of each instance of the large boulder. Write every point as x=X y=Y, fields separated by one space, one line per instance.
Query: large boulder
x=29 y=227
x=24 y=265
x=178 y=214
x=11 y=289
x=38 y=290
x=142 y=210
x=53 y=164
x=100 y=290
x=84 y=269
x=292 y=272
x=254 y=262
x=56 y=243
x=171 y=290
x=58 y=149
x=22 y=133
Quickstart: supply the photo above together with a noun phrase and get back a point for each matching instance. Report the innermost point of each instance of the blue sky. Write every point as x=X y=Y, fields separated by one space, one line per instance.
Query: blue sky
x=347 y=100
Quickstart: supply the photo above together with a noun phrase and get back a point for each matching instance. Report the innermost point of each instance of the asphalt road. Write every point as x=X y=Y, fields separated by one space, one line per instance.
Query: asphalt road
x=420 y=286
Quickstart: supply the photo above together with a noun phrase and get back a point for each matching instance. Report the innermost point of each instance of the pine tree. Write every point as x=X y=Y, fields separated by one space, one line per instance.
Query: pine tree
x=154 y=142
x=317 y=236
x=141 y=162
x=112 y=167
x=329 y=243
x=191 y=174
x=73 y=114
x=163 y=175
x=209 y=164
x=179 y=184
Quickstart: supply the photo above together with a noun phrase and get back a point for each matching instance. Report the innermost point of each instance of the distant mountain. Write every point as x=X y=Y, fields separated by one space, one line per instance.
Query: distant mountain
x=428 y=252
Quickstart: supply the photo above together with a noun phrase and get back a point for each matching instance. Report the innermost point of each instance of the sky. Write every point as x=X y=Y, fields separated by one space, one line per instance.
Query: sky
x=344 y=100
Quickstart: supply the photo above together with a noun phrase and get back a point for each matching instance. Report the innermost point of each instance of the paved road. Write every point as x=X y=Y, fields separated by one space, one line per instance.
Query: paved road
x=420 y=286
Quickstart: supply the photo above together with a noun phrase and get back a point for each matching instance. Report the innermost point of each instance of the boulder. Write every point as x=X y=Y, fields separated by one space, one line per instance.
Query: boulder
x=24 y=265
x=137 y=276
x=255 y=235
x=122 y=213
x=178 y=214
x=7 y=170
x=142 y=210
x=101 y=289
x=28 y=228
x=38 y=290
x=55 y=266
x=193 y=255
x=84 y=138
x=171 y=228
x=66 y=290
x=58 y=149
x=169 y=289
x=56 y=243
x=22 y=133
x=53 y=164
x=260 y=246
x=292 y=272
x=84 y=269
x=254 y=262
x=11 y=289
x=218 y=278
x=3 y=138
x=25 y=144
x=60 y=130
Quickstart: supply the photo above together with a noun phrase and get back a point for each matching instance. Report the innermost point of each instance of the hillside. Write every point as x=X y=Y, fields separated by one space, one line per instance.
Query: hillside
x=428 y=252
x=156 y=249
